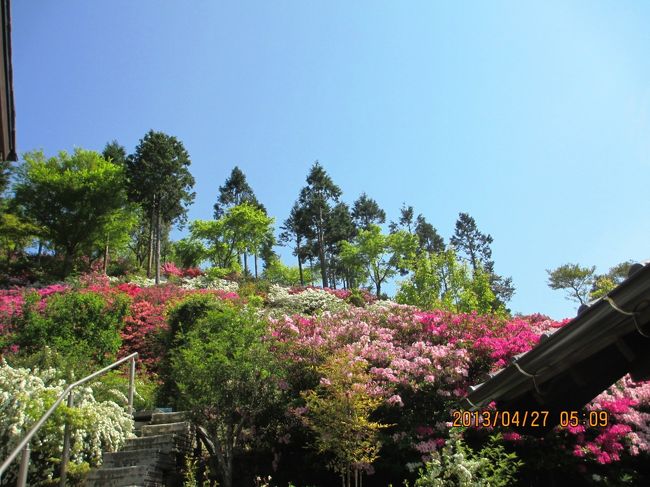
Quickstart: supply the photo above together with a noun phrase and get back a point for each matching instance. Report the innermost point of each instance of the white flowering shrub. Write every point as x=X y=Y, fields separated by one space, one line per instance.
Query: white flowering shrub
x=457 y=465
x=25 y=396
x=207 y=282
x=144 y=281
x=308 y=301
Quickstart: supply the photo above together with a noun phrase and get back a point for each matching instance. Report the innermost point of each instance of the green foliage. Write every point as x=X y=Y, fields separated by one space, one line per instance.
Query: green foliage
x=377 y=256
x=457 y=465
x=182 y=318
x=441 y=281
x=339 y=413
x=73 y=198
x=278 y=273
x=474 y=245
x=82 y=326
x=187 y=252
x=315 y=204
x=243 y=228
x=574 y=279
x=604 y=283
x=234 y=192
x=96 y=426
x=366 y=212
x=227 y=377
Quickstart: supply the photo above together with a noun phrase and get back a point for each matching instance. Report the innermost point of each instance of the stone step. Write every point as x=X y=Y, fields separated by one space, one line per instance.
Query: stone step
x=141 y=475
x=181 y=428
x=175 y=417
x=163 y=443
x=149 y=456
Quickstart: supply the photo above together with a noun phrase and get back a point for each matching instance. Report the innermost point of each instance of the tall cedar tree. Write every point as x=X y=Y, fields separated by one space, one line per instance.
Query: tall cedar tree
x=316 y=199
x=293 y=232
x=160 y=181
x=476 y=246
x=366 y=212
x=339 y=227
x=115 y=153
x=234 y=192
x=429 y=241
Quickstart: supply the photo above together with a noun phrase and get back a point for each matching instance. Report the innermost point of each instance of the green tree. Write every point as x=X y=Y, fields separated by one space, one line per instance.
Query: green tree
x=339 y=413
x=316 y=201
x=293 y=232
x=234 y=192
x=471 y=243
x=227 y=377
x=160 y=181
x=243 y=228
x=604 y=283
x=574 y=279
x=428 y=238
x=441 y=280
x=366 y=212
x=278 y=273
x=115 y=153
x=338 y=227
x=378 y=254
x=405 y=221
x=188 y=252
x=73 y=198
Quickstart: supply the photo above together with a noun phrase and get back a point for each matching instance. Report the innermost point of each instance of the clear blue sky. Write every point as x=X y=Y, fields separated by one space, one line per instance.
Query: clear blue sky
x=534 y=117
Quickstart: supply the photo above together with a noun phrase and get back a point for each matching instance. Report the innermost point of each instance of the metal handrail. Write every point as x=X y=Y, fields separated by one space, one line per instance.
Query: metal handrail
x=24 y=444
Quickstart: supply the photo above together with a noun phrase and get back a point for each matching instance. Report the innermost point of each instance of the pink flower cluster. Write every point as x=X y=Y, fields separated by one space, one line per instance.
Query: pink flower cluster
x=171 y=269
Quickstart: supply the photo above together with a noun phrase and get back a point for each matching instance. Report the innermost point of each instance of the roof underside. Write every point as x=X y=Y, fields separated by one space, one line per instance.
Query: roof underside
x=565 y=371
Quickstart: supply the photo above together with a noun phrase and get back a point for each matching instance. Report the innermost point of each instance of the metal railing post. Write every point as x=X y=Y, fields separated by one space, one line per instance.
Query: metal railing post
x=66 y=447
x=24 y=467
x=131 y=384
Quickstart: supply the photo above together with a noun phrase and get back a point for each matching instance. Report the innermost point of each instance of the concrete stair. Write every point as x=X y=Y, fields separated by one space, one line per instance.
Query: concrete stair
x=151 y=459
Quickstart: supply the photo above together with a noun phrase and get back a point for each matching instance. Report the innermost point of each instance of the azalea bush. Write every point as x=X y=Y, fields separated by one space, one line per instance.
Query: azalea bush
x=307 y=301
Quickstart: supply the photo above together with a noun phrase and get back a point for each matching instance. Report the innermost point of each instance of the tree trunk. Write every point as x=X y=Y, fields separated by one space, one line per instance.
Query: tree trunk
x=256 y=265
x=321 y=250
x=245 y=264
x=378 y=287
x=157 y=246
x=67 y=261
x=106 y=255
x=40 y=250
x=302 y=279
x=151 y=240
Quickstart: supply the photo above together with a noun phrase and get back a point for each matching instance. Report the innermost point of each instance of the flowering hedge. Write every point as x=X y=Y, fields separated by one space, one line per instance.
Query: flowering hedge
x=418 y=363
x=25 y=395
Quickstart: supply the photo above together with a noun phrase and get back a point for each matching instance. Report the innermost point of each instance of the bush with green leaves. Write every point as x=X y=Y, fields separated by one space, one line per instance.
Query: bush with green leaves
x=82 y=325
x=26 y=394
x=228 y=377
x=457 y=465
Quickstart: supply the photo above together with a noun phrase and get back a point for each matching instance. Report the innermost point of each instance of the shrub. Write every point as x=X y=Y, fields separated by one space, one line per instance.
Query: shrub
x=26 y=394
x=228 y=377
x=80 y=324
x=308 y=301
x=457 y=465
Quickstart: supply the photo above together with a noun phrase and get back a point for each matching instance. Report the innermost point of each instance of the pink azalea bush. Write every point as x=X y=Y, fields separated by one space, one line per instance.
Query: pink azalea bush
x=419 y=363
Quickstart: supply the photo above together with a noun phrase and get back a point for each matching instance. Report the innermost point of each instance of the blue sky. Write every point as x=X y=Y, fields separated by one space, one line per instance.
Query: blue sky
x=533 y=117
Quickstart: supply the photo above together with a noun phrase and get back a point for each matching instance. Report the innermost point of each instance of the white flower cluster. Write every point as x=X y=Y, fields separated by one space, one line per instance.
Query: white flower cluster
x=144 y=281
x=308 y=301
x=205 y=282
x=24 y=398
